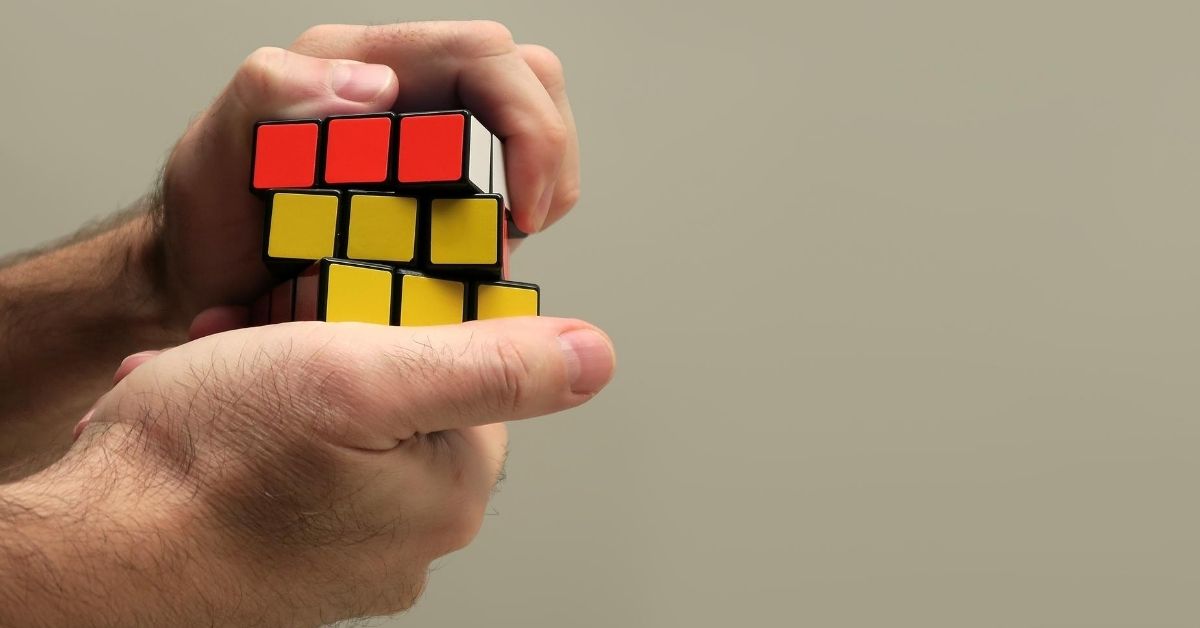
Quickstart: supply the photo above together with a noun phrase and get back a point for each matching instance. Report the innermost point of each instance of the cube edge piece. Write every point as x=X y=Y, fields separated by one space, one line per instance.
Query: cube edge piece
x=392 y=156
x=398 y=291
x=269 y=211
x=464 y=183
x=317 y=165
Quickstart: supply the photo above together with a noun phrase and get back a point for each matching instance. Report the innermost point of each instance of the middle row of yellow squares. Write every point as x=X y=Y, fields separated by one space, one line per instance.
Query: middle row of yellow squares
x=460 y=234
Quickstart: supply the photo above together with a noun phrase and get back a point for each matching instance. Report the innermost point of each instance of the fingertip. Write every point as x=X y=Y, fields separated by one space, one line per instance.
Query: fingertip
x=590 y=360
x=588 y=352
x=535 y=173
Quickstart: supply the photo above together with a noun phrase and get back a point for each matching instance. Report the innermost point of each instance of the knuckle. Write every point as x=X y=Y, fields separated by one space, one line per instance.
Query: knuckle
x=325 y=379
x=484 y=38
x=567 y=196
x=260 y=73
x=317 y=33
x=315 y=378
x=546 y=65
x=555 y=136
x=264 y=60
x=491 y=31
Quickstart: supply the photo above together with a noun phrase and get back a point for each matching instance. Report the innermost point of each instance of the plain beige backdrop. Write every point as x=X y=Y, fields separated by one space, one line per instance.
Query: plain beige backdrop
x=905 y=295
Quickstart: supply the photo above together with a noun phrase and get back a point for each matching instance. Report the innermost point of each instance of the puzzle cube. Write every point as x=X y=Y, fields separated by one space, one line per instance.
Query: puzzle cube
x=423 y=300
x=284 y=154
x=384 y=228
x=337 y=290
x=301 y=225
x=502 y=299
x=449 y=149
x=358 y=150
x=467 y=235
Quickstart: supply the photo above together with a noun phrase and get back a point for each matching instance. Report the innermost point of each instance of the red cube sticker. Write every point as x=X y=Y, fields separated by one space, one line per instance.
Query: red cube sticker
x=285 y=155
x=431 y=148
x=356 y=150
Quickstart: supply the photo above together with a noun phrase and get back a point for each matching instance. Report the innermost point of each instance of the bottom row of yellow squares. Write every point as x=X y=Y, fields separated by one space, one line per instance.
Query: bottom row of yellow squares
x=343 y=290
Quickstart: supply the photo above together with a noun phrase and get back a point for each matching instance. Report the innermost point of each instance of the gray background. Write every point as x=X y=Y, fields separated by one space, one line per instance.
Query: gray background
x=905 y=298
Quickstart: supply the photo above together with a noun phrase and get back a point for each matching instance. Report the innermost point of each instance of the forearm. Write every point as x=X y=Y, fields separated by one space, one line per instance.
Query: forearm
x=88 y=549
x=67 y=317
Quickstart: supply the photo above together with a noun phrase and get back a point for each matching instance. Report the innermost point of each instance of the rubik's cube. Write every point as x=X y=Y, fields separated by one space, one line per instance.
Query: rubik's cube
x=397 y=219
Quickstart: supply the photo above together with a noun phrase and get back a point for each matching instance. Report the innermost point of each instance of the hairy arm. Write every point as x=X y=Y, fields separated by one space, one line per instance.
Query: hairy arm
x=67 y=558
x=68 y=314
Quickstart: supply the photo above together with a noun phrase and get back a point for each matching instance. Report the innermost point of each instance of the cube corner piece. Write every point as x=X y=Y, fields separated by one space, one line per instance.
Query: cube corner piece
x=505 y=299
x=284 y=154
x=424 y=300
x=448 y=150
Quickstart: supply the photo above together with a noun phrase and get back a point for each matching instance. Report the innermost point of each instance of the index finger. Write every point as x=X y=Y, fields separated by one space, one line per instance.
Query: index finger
x=477 y=65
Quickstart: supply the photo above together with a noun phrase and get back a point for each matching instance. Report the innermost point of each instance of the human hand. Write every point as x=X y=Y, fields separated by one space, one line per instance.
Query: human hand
x=297 y=473
x=209 y=227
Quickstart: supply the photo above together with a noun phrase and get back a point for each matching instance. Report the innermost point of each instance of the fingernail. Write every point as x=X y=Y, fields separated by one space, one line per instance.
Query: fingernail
x=360 y=82
x=131 y=362
x=542 y=210
x=83 y=423
x=589 y=360
x=140 y=355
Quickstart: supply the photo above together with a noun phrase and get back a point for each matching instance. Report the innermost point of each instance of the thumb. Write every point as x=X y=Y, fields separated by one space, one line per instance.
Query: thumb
x=273 y=83
x=398 y=382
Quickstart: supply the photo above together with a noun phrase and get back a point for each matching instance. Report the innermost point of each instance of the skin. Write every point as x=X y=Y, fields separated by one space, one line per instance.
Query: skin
x=292 y=474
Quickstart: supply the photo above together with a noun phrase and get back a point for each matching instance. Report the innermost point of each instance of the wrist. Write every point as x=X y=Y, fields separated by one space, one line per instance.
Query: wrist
x=145 y=273
x=68 y=314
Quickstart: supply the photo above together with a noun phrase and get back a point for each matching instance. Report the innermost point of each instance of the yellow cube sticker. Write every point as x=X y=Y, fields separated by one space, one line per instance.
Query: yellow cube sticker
x=464 y=231
x=303 y=226
x=429 y=301
x=494 y=301
x=354 y=293
x=382 y=228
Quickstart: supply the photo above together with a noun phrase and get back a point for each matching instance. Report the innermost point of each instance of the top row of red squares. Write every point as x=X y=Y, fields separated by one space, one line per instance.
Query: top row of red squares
x=443 y=149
